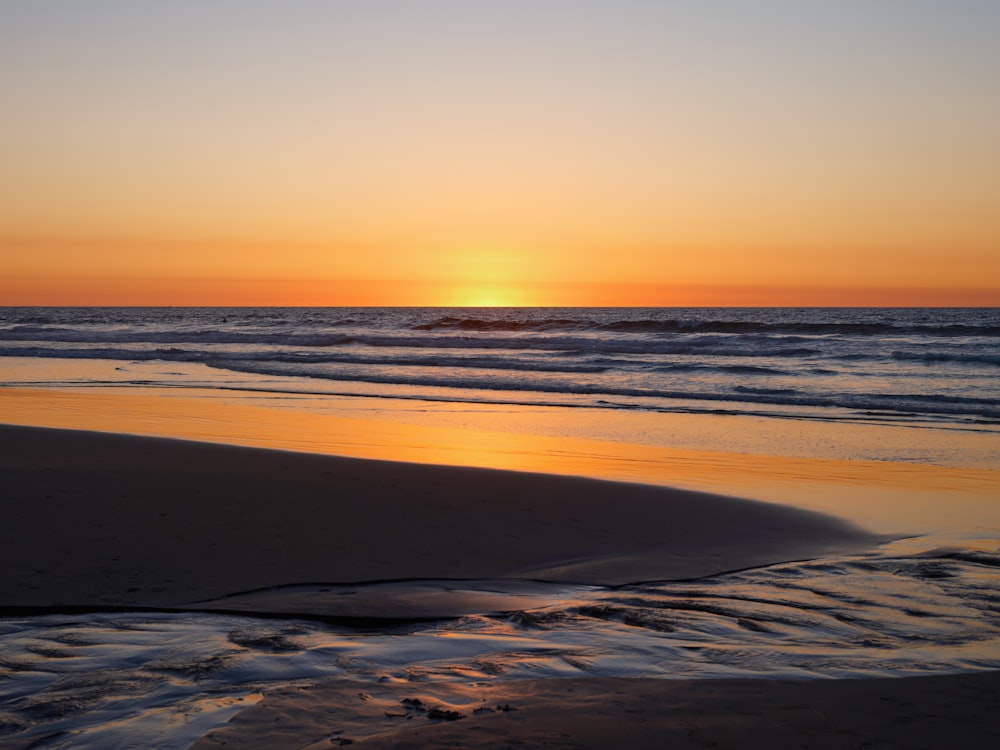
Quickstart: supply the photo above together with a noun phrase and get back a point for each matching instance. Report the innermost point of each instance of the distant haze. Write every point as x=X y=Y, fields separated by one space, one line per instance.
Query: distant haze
x=455 y=152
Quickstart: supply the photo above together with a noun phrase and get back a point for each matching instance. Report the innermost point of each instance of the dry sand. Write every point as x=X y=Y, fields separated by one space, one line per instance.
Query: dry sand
x=99 y=519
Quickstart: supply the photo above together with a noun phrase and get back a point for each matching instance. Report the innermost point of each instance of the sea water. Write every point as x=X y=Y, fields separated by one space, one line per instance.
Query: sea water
x=911 y=366
x=916 y=606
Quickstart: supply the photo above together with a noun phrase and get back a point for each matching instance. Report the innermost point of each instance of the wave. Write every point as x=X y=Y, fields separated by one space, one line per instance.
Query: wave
x=731 y=369
x=443 y=360
x=172 y=336
x=600 y=379
x=745 y=346
x=479 y=324
x=981 y=409
x=937 y=357
x=791 y=359
x=687 y=326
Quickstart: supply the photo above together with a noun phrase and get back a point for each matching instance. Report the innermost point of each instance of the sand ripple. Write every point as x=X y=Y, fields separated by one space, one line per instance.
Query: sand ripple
x=162 y=679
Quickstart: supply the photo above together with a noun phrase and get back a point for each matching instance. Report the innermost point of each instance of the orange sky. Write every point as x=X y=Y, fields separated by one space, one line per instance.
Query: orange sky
x=452 y=153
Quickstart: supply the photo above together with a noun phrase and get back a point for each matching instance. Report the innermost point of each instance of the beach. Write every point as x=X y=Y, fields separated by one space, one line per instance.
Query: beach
x=213 y=545
x=106 y=522
x=147 y=522
x=920 y=712
x=499 y=375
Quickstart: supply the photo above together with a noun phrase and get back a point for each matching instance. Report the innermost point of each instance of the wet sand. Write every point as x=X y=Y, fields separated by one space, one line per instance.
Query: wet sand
x=97 y=519
x=905 y=713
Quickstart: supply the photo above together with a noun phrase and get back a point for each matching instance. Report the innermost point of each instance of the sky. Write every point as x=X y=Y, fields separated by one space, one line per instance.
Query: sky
x=541 y=152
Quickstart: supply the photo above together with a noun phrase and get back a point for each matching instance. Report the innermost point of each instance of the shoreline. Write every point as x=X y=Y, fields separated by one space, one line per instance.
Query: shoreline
x=112 y=520
x=899 y=497
x=79 y=486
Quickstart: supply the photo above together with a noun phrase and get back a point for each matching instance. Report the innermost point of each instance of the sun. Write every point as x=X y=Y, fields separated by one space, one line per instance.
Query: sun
x=486 y=295
x=486 y=274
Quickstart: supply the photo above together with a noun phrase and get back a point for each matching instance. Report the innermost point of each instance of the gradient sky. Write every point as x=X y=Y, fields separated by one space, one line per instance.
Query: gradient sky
x=519 y=152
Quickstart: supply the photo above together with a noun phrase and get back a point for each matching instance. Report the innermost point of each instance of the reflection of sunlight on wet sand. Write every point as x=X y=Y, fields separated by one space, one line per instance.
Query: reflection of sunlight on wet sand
x=883 y=495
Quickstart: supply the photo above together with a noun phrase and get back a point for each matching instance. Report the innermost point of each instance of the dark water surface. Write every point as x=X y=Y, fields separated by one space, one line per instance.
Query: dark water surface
x=910 y=366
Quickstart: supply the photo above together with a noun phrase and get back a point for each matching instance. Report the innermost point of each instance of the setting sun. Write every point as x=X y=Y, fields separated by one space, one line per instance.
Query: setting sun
x=486 y=295
x=371 y=370
x=357 y=154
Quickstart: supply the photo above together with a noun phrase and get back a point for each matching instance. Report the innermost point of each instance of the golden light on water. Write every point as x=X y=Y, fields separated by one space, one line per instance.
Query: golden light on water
x=875 y=493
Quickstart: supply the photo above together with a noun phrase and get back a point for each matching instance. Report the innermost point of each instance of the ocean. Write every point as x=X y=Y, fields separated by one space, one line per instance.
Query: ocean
x=913 y=606
x=924 y=367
